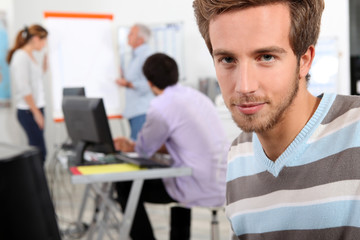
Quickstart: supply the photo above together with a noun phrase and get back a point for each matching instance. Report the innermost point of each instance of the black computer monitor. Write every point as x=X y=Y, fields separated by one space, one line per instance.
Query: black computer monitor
x=87 y=125
x=74 y=91
x=26 y=208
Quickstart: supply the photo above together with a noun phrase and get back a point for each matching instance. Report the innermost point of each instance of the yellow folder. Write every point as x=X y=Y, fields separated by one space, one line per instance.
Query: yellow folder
x=108 y=168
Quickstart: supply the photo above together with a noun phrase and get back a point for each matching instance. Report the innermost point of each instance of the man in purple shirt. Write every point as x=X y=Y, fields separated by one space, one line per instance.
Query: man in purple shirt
x=184 y=123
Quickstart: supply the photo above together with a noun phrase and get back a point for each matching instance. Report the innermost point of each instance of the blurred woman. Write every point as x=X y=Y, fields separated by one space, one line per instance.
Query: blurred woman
x=27 y=83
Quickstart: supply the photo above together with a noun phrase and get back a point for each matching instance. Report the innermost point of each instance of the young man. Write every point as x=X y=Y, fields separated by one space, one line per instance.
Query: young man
x=184 y=123
x=293 y=173
x=138 y=93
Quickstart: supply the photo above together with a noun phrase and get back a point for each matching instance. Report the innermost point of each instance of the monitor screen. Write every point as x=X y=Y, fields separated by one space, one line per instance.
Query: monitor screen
x=87 y=125
x=76 y=91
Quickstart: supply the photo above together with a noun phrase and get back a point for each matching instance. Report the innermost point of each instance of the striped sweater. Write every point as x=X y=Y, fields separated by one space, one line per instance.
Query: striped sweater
x=312 y=191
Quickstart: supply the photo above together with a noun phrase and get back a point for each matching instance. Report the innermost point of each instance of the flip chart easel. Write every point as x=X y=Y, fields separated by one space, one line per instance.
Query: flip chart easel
x=81 y=54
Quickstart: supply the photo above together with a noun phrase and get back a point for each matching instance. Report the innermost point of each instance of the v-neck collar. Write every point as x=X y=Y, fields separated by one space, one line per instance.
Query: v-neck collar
x=298 y=145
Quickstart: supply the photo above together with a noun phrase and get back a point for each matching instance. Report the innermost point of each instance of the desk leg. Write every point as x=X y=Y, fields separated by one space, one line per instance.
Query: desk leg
x=107 y=204
x=82 y=207
x=102 y=204
x=131 y=208
x=99 y=206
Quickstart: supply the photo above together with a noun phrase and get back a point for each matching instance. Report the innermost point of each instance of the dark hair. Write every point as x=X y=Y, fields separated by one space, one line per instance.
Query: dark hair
x=161 y=70
x=305 y=19
x=24 y=36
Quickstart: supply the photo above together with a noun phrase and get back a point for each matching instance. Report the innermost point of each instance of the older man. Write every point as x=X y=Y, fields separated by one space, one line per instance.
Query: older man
x=138 y=93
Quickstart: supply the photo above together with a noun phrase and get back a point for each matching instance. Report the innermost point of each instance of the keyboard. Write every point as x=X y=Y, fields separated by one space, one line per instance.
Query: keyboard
x=93 y=158
x=157 y=161
x=107 y=159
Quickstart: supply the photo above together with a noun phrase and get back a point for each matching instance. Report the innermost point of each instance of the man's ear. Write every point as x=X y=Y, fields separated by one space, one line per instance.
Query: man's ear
x=150 y=84
x=306 y=61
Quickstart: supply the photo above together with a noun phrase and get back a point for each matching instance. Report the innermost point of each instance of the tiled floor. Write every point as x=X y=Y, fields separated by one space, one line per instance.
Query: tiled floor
x=67 y=199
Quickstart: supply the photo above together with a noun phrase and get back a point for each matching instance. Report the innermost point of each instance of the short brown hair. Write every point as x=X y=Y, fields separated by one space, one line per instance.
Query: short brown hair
x=161 y=70
x=305 y=18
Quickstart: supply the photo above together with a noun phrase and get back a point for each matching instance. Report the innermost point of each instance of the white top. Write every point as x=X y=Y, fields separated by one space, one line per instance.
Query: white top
x=26 y=78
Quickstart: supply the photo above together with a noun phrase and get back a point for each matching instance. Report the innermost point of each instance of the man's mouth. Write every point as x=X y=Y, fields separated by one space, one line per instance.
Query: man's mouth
x=250 y=108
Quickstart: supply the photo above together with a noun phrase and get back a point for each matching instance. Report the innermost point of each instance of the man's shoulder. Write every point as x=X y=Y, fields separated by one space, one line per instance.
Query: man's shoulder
x=144 y=51
x=179 y=90
x=243 y=137
x=352 y=99
x=342 y=105
x=179 y=99
x=195 y=93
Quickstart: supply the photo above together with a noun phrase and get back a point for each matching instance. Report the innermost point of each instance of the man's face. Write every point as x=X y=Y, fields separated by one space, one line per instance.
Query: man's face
x=255 y=65
x=133 y=37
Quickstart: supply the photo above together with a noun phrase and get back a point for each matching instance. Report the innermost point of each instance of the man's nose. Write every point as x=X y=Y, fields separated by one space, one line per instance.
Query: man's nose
x=246 y=81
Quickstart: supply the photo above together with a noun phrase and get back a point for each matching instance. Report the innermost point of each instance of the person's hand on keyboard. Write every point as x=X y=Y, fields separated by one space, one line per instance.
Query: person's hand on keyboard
x=124 y=144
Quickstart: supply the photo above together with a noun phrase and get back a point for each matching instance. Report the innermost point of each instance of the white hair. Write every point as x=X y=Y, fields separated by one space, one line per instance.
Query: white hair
x=144 y=32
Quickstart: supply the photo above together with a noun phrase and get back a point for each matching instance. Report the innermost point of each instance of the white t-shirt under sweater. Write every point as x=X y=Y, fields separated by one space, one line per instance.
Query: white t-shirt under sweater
x=26 y=79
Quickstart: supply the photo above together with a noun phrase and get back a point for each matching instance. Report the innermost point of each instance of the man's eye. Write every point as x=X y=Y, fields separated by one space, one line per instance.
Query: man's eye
x=227 y=60
x=267 y=58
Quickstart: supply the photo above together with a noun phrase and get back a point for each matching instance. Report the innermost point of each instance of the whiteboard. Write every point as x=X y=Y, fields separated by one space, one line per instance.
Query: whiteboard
x=81 y=54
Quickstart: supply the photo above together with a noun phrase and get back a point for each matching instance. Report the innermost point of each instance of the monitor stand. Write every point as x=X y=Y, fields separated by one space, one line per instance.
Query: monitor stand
x=79 y=153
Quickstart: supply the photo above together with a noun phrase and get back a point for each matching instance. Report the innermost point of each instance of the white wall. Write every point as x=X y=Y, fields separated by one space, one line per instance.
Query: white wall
x=198 y=63
x=335 y=22
x=7 y=6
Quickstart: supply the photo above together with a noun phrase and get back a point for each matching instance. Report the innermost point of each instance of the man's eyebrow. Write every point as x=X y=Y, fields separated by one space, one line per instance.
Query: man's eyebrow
x=271 y=49
x=222 y=52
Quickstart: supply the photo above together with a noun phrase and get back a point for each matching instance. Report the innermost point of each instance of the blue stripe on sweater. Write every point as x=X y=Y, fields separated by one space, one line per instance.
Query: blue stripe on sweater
x=320 y=216
x=243 y=166
x=340 y=140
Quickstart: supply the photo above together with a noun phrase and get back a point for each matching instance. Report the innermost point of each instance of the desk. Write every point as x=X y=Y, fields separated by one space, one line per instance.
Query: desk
x=138 y=176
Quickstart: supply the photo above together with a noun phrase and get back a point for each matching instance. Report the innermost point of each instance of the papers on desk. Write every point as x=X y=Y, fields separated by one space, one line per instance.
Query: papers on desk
x=100 y=169
x=93 y=156
x=131 y=154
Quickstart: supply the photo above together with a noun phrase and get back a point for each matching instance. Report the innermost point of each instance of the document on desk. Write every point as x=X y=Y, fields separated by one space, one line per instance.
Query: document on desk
x=100 y=169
